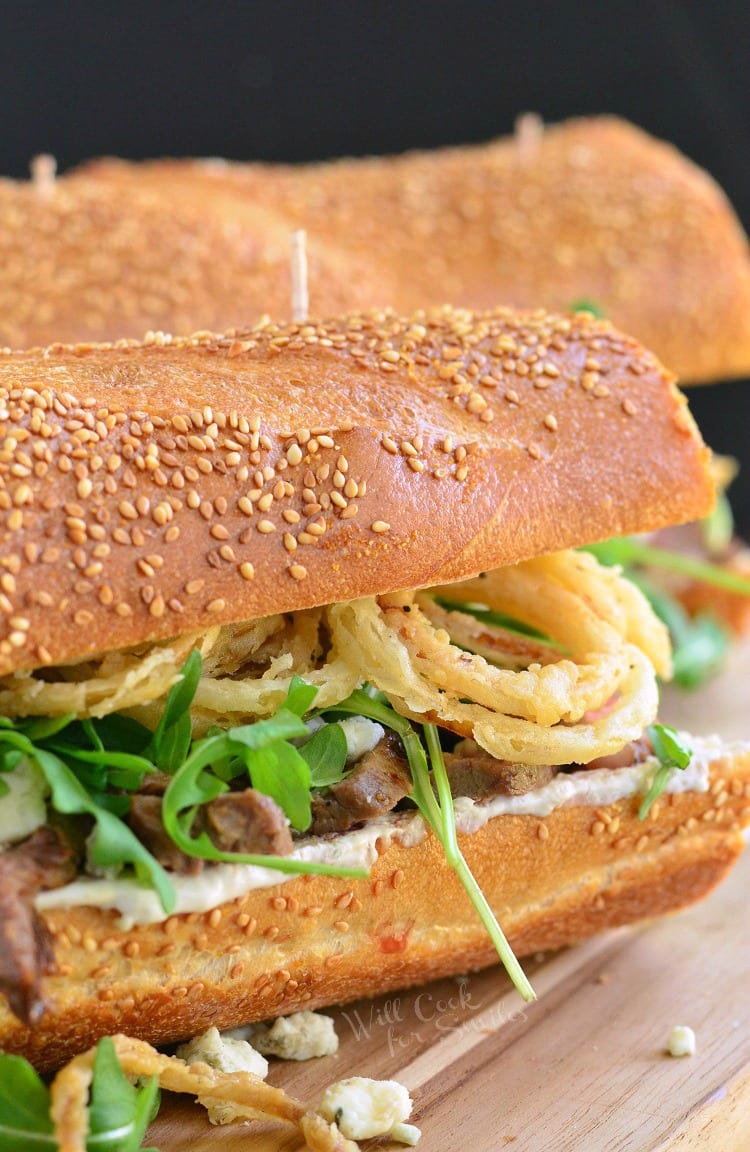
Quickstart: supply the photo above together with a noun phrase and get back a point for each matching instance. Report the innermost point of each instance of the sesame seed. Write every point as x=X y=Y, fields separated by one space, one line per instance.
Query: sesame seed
x=462 y=472
x=294 y=454
x=380 y=526
x=217 y=605
x=247 y=571
x=297 y=571
x=550 y=422
x=265 y=526
x=390 y=445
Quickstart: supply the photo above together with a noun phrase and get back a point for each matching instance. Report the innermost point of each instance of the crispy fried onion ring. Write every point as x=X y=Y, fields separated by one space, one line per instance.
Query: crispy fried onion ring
x=247 y=670
x=248 y=1097
x=537 y=715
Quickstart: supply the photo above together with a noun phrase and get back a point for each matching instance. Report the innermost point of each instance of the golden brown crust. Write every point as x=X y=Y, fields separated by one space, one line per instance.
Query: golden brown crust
x=592 y=208
x=315 y=941
x=151 y=490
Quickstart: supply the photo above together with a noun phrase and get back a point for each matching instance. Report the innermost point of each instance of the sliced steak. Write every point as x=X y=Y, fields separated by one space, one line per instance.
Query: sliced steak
x=248 y=821
x=146 y=822
x=374 y=787
x=480 y=776
x=45 y=860
x=154 y=784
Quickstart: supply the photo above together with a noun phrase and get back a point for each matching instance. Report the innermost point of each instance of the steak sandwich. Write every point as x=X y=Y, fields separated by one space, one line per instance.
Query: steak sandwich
x=296 y=635
x=589 y=212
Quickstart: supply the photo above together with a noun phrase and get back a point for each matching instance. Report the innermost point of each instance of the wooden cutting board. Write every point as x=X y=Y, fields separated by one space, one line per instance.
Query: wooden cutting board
x=581 y=1070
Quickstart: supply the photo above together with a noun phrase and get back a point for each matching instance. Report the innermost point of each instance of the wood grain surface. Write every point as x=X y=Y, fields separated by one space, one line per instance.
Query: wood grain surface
x=581 y=1070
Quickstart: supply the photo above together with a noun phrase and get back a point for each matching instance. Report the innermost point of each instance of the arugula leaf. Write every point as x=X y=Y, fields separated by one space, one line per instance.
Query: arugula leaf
x=122 y=733
x=438 y=813
x=672 y=754
x=717 y=529
x=325 y=754
x=699 y=644
x=42 y=727
x=25 y=1123
x=112 y=841
x=586 y=305
x=119 y=1112
x=300 y=696
x=499 y=620
x=628 y=550
x=171 y=739
x=284 y=775
x=192 y=785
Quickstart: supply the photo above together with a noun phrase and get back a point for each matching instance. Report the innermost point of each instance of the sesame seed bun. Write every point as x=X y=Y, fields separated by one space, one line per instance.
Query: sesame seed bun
x=590 y=209
x=149 y=490
x=315 y=941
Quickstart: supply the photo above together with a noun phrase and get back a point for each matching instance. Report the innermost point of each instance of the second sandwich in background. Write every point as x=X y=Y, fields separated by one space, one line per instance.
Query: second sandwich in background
x=591 y=211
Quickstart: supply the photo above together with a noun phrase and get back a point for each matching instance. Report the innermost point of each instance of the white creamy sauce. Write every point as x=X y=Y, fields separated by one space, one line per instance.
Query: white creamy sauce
x=223 y=882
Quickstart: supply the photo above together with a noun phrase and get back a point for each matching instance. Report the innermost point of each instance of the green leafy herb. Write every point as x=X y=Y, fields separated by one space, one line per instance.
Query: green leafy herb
x=112 y=842
x=438 y=813
x=699 y=644
x=585 y=305
x=119 y=1113
x=672 y=754
x=300 y=696
x=498 y=620
x=25 y=1122
x=170 y=742
x=274 y=766
x=718 y=528
x=283 y=774
x=630 y=551
x=325 y=754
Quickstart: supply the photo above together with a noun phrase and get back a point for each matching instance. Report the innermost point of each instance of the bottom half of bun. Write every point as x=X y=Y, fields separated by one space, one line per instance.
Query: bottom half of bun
x=316 y=941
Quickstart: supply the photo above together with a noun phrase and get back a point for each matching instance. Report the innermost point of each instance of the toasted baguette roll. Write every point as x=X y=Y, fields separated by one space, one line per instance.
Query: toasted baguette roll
x=154 y=490
x=592 y=209
x=315 y=941
x=150 y=490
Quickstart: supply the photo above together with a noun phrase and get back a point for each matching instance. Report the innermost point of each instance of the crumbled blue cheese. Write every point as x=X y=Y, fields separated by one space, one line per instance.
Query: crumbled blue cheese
x=363 y=1108
x=23 y=808
x=301 y=1036
x=362 y=735
x=405 y=1134
x=223 y=1054
x=681 y=1041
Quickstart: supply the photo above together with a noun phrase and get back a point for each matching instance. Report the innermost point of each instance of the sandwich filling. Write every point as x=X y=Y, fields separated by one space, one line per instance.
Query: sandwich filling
x=161 y=778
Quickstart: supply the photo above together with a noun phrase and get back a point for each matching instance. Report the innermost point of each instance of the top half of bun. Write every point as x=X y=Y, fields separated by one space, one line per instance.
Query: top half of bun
x=148 y=490
x=592 y=209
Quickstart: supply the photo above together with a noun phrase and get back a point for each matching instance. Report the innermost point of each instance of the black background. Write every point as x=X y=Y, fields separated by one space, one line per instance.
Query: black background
x=304 y=80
